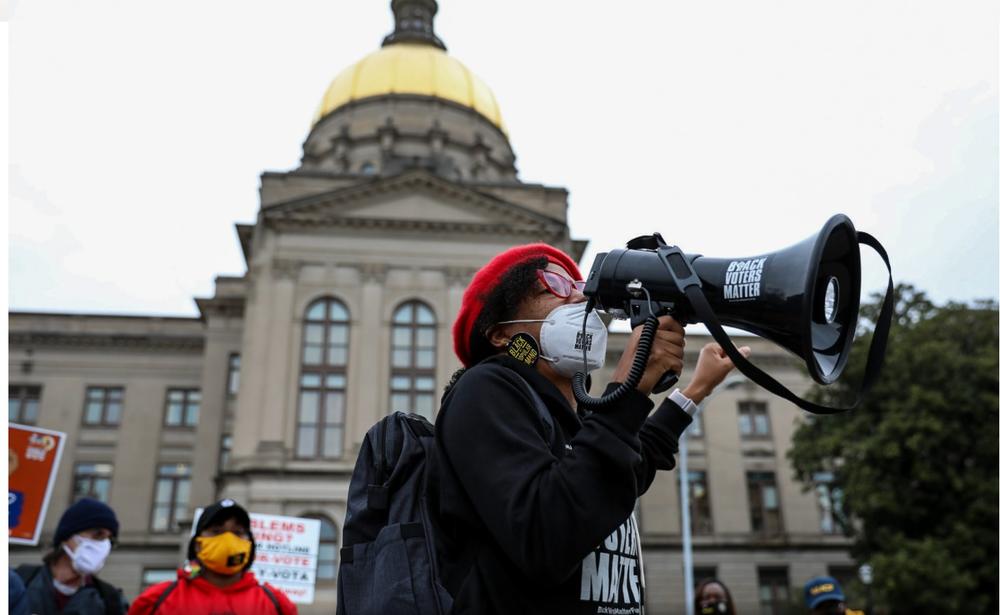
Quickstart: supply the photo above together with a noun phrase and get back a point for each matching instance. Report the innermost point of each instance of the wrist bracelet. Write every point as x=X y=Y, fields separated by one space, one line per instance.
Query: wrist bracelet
x=687 y=405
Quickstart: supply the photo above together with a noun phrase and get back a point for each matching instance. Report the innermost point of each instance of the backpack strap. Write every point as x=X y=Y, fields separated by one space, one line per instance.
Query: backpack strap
x=109 y=595
x=163 y=596
x=274 y=599
x=28 y=572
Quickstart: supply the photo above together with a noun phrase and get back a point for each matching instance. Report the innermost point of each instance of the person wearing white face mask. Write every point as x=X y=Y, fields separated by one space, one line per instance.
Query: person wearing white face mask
x=533 y=497
x=67 y=583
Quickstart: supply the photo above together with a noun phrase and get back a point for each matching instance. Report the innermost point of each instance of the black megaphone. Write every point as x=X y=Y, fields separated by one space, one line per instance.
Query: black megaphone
x=805 y=298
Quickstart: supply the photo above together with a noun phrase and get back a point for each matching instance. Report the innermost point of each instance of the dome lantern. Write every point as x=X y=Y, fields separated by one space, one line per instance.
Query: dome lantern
x=414 y=23
x=410 y=104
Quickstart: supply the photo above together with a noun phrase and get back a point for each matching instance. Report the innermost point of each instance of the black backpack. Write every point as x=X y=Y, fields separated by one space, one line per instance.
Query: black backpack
x=388 y=563
x=109 y=594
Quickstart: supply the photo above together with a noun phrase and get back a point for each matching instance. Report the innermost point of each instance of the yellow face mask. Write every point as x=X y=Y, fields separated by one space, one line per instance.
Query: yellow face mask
x=226 y=553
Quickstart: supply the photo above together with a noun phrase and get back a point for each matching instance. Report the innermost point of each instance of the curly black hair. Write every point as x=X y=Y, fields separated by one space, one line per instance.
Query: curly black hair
x=500 y=304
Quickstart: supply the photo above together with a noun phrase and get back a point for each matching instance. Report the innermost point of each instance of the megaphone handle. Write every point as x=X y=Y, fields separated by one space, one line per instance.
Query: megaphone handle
x=640 y=312
x=668 y=380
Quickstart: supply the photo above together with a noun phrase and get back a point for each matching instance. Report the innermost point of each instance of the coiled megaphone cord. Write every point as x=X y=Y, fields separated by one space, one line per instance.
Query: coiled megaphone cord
x=639 y=361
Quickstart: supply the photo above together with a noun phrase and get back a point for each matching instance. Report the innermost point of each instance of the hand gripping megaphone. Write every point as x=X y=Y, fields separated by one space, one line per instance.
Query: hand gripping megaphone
x=805 y=298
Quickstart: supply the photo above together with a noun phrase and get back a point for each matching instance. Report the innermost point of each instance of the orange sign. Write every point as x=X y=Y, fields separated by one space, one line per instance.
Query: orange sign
x=32 y=460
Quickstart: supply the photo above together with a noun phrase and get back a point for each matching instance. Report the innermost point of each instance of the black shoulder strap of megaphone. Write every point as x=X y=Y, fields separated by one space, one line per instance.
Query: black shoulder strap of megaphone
x=876 y=353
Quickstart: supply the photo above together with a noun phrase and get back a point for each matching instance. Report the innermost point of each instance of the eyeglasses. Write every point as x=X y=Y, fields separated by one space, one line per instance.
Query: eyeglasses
x=558 y=284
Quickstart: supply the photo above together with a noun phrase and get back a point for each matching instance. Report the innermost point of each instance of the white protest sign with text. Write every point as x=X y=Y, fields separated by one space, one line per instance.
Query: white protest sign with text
x=287 y=549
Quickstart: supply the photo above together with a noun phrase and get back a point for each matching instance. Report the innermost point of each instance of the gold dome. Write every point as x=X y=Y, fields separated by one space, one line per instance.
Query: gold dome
x=406 y=68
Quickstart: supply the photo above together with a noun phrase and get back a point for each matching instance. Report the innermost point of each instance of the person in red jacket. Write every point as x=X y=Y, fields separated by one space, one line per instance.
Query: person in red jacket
x=217 y=577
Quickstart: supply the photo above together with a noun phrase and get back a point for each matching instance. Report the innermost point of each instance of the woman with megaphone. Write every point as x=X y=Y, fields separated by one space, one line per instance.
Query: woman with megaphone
x=533 y=495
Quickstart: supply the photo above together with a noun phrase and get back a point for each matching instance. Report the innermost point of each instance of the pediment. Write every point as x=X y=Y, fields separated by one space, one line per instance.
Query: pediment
x=417 y=206
x=413 y=200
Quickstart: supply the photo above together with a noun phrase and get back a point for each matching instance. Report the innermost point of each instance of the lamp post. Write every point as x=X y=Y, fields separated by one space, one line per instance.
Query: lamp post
x=867 y=574
x=733 y=379
x=686 y=530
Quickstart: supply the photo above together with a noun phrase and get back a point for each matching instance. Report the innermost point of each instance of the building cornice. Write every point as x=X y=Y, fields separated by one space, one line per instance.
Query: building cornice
x=748 y=541
x=221 y=306
x=405 y=183
x=84 y=315
x=550 y=234
x=472 y=184
x=244 y=232
x=315 y=470
x=44 y=339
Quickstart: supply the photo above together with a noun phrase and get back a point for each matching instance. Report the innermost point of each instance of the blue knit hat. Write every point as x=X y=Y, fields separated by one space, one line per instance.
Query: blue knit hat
x=86 y=514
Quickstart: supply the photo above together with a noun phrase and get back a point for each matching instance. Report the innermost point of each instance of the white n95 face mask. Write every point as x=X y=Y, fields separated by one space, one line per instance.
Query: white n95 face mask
x=89 y=555
x=563 y=338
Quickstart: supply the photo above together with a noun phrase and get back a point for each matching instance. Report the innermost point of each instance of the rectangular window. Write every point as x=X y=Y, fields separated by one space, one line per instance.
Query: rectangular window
x=772 y=585
x=170 y=496
x=183 y=406
x=22 y=403
x=233 y=379
x=103 y=406
x=321 y=416
x=319 y=430
x=326 y=563
x=698 y=502
x=765 y=510
x=703 y=573
x=412 y=393
x=831 y=503
x=92 y=480
x=152 y=576
x=414 y=343
x=754 y=422
x=225 y=447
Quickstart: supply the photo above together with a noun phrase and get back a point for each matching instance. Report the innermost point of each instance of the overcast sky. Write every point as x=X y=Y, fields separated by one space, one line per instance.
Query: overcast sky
x=138 y=129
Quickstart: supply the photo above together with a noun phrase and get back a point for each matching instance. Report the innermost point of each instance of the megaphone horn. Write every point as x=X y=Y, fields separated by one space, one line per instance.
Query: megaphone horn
x=805 y=297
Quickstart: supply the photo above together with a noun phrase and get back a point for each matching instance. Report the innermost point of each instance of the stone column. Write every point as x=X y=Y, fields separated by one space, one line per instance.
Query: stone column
x=278 y=364
x=457 y=279
x=259 y=437
x=368 y=383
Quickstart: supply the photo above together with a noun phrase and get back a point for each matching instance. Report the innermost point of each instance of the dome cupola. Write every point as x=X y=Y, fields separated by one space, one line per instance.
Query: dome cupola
x=410 y=104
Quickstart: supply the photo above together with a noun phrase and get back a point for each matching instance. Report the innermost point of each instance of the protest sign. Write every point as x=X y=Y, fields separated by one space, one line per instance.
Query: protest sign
x=33 y=456
x=287 y=550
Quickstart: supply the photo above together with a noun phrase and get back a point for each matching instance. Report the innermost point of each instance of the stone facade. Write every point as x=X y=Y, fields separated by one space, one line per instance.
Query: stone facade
x=398 y=199
x=65 y=354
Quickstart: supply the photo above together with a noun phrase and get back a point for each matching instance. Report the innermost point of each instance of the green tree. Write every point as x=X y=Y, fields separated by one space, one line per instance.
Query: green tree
x=917 y=463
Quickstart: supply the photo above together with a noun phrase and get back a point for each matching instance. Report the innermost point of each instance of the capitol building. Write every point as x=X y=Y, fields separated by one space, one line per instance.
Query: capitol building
x=355 y=268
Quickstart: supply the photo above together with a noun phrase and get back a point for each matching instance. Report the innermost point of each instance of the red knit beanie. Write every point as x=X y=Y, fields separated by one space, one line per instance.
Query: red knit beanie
x=486 y=280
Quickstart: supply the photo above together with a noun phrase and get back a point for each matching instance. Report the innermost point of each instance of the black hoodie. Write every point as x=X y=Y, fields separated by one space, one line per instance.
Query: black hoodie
x=529 y=525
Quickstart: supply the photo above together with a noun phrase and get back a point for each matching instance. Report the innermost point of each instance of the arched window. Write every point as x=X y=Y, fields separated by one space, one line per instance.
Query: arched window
x=326 y=563
x=414 y=348
x=323 y=381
